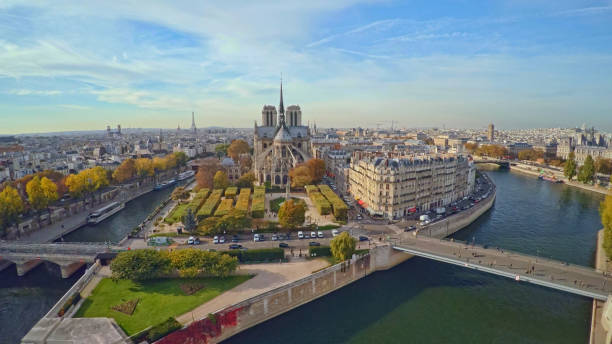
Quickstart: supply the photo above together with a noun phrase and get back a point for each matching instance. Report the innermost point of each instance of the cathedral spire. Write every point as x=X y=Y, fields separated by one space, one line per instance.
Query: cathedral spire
x=281 y=107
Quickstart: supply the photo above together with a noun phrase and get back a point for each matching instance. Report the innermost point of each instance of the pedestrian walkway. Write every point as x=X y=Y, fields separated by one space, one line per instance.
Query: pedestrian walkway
x=267 y=277
x=550 y=273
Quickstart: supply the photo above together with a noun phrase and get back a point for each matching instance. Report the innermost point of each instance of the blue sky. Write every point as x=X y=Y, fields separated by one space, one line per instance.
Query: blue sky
x=517 y=63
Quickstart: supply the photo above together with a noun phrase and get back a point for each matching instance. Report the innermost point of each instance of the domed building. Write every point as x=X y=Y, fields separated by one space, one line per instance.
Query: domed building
x=280 y=143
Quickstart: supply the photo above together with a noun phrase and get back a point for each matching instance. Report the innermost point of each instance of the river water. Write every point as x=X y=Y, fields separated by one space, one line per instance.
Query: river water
x=24 y=300
x=419 y=301
x=422 y=301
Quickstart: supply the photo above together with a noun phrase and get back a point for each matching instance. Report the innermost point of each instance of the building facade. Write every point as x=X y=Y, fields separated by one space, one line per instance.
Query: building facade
x=491 y=133
x=394 y=186
x=279 y=143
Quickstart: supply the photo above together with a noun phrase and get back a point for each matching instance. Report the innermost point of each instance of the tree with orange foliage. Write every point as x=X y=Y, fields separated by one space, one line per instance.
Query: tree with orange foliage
x=312 y=171
x=317 y=169
x=125 y=171
x=206 y=172
x=236 y=148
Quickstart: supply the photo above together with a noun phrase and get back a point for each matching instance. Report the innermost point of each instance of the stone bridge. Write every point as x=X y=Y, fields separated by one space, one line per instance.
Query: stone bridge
x=501 y=163
x=69 y=256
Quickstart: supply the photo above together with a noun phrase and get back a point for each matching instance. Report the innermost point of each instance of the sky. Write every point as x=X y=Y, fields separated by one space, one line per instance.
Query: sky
x=68 y=65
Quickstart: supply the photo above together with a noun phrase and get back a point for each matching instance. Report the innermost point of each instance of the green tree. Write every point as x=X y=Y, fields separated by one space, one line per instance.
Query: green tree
x=291 y=214
x=570 y=166
x=140 y=264
x=181 y=158
x=587 y=171
x=221 y=149
x=603 y=165
x=605 y=211
x=192 y=262
x=220 y=180
x=11 y=206
x=189 y=221
x=343 y=246
x=246 y=180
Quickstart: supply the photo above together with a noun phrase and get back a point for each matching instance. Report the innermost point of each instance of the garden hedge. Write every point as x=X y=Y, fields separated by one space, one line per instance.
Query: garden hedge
x=231 y=192
x=318 y=200
x=209 y=206
x=258 y=255
x=160 y=330
x=225 y=207
x=258 y=206
x=338 y=206
x=319 y=251
x=242 y=203
x=198 y=200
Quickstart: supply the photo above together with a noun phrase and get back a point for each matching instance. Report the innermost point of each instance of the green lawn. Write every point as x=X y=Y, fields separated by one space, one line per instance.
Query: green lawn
x=177 y=213
x=276 y=203
x=159 y=299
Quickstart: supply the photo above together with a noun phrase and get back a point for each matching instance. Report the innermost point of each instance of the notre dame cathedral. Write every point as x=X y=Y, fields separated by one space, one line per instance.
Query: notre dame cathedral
x=280 y=143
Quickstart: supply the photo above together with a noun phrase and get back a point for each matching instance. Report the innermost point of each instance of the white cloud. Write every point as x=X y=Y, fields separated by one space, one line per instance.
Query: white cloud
x=24 y=92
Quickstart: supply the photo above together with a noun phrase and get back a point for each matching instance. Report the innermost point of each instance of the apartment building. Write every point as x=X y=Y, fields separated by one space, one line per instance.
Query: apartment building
x=393 y=185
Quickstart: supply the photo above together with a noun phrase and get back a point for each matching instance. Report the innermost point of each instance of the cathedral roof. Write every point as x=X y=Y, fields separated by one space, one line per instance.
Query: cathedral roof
x=283 y=135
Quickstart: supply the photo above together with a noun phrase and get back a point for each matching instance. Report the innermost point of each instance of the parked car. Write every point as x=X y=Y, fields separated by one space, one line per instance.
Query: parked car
x=256 y=237
x=313 y=235
x=314 y=243
x=215 y=239
x=283 y=245
x=335 y=232
x=222 y=240
x=319 y=234
x=274 y=237
x=300 y=235
x=191 y=240
x=235 y=247
x=235 y=238
x=363 y=238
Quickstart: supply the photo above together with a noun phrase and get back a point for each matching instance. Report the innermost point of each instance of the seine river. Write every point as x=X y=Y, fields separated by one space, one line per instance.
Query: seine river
x=30 y=297
x=418 y=301
x=422 y=301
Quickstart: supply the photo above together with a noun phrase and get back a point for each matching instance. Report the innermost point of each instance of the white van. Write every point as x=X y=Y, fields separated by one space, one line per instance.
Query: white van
x=335 y=232
x=300 y=235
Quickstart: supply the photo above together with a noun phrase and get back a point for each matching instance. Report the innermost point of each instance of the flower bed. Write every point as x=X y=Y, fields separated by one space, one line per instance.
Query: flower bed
x=209 y=206
x=242 y=203
x=225 y=207
x=338 y=206
x=127 y=307
x=258 y=206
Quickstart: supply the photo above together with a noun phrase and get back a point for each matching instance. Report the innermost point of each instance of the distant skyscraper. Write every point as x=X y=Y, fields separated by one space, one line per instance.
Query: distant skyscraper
x=118 y=129
x=108 y=131
x=491 y=133
x=193 y=126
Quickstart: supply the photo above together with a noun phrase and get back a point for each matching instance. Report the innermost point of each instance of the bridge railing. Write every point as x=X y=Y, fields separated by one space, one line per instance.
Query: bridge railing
x=534 y=258
x=55 y=249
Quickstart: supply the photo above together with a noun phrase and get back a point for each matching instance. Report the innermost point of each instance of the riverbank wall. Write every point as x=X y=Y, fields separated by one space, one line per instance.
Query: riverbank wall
x=598 y=333
x=535 y=171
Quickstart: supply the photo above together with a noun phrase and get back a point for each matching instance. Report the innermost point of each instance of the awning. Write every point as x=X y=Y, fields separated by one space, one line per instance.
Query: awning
x=412 y=210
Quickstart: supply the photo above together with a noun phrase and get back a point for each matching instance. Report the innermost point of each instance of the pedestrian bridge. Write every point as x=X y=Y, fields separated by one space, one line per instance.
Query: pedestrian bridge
x=546 y=272
x=69 y=256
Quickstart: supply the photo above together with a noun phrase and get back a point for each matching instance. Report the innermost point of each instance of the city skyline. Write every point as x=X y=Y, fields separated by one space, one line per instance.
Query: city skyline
x=516 y=64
